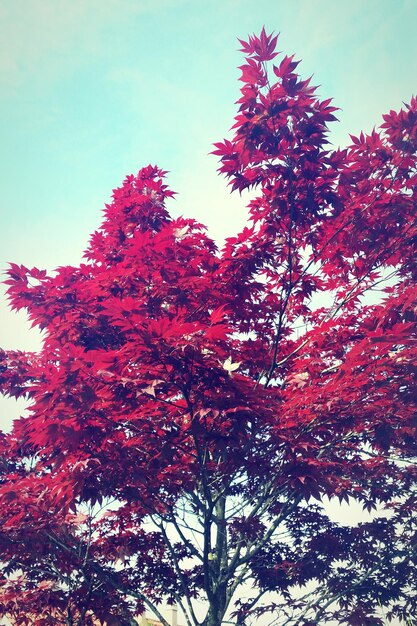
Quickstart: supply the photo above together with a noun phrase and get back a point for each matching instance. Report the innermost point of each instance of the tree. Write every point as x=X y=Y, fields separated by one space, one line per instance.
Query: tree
x=192 y=410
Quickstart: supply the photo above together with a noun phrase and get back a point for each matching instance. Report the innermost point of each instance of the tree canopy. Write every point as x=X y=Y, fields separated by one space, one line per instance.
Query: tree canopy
x=193 y=410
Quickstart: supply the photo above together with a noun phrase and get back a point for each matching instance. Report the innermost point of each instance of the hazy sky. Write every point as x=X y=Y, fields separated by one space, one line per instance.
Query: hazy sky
x=92 y=90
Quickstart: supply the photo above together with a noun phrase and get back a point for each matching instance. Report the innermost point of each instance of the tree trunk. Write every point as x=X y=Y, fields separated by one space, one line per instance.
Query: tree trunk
x=214 y=617
x=217 y=608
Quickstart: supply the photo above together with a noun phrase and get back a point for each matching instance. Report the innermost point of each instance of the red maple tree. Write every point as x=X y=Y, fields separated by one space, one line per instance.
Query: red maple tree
x=193 y=410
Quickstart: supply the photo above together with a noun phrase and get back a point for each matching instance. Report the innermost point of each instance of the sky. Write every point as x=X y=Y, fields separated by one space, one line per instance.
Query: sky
x=91 y=91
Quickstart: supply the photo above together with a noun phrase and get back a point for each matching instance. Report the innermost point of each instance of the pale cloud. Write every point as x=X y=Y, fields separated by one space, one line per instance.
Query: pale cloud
x=10 y=410
x=15 y=335
x=48 y=37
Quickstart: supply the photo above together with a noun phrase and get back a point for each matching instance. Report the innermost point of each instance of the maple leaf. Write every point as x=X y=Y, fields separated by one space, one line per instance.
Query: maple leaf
x=150 y=389
x=179 y=233
x=229 y=366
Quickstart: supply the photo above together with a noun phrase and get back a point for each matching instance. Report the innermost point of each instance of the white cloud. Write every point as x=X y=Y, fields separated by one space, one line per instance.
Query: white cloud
x=47 y=37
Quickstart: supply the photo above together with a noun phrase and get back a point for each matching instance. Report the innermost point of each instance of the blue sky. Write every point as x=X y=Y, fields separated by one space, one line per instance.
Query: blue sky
x=92 y=90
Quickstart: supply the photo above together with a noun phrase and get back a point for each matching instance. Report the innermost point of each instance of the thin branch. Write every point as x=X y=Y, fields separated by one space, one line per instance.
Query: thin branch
x=180 y=575
x=112 y=580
